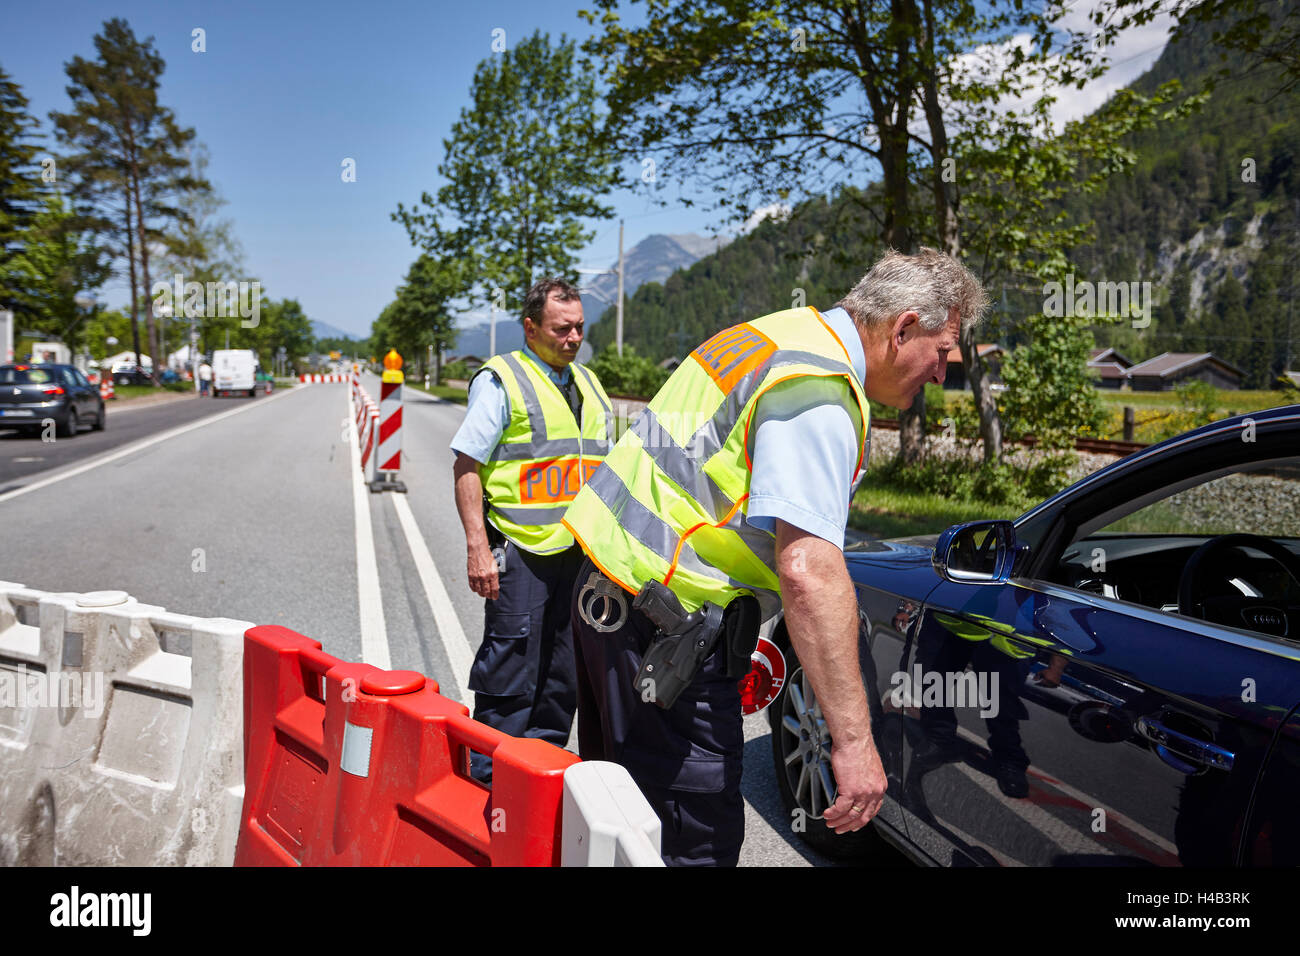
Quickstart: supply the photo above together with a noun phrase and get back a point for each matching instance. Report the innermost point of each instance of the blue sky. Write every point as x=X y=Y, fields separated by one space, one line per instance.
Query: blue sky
x=286 y=91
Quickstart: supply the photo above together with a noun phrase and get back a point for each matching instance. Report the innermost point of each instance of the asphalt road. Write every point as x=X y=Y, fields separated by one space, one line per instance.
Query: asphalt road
x=244 y=508
x=22 y=455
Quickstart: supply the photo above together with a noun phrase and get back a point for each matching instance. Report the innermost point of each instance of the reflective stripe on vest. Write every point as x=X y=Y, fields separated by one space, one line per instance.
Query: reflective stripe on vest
x=542 y=458
x=670 y=504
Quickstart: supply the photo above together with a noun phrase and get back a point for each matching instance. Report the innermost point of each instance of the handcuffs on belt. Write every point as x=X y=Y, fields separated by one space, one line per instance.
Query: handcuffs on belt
x=682 y=642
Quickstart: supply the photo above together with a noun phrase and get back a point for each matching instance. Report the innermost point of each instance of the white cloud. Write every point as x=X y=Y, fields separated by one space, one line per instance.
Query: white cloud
x=776 y=210
x=1133 y=53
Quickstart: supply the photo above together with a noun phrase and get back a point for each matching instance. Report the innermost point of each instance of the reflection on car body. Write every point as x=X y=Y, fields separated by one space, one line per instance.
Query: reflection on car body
x=1142 y=660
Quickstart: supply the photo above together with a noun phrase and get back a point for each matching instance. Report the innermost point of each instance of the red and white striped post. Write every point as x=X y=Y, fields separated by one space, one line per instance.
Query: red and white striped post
x=388 y=455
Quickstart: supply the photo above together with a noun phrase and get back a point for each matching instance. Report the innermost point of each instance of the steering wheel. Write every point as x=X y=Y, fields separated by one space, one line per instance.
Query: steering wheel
x=1269 y=615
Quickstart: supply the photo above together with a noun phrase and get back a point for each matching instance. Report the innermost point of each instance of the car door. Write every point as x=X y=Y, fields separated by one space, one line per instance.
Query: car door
x=80 y=391
x=1141 y=732
x=1137 y=744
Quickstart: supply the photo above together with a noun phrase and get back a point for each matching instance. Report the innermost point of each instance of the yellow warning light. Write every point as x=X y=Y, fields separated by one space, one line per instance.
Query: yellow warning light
x=392 y=368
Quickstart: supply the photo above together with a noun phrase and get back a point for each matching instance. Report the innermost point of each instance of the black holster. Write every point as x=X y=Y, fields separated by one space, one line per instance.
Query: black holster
x=684 y=641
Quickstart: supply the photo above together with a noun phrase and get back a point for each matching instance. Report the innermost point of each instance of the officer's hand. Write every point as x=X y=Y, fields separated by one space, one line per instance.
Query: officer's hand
x=860 y=782
x=483 y=572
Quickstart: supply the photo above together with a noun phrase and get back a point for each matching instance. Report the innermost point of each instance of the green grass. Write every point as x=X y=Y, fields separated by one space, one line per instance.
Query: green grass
x=1229 y=400
x=882 y=511
x=446 y=392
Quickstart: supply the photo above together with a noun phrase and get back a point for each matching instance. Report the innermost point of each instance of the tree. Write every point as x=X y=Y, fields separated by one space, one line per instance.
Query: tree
x=1050 y=393
x=202 y=247
x=127 y=164
x=421 y=315
x=524 y=165
x=764 y=101
x=627 y=374
x=56 y=266
x=22 y=190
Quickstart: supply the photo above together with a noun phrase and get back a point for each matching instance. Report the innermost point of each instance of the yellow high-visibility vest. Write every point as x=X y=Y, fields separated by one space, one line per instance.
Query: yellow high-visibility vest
x=543 y=457
x=670 y=503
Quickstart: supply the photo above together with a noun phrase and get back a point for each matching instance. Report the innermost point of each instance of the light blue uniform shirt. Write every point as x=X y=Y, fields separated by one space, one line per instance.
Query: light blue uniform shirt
x=805 y=448
x=487 y=411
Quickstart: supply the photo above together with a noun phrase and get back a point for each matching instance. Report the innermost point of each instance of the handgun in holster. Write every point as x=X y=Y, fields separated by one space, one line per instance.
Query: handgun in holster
x=685 y=641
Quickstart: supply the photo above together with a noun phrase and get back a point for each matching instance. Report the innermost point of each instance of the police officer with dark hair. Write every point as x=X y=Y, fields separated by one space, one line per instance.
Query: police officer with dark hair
x=536 y=427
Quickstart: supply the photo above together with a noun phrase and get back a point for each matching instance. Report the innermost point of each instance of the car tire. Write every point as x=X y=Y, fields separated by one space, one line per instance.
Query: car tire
x=69 y=426
x=801 y=765
x=101 y=420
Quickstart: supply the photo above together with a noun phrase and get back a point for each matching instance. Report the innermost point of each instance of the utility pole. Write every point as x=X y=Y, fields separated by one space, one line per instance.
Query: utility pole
x=618 y=328
x=492 y=330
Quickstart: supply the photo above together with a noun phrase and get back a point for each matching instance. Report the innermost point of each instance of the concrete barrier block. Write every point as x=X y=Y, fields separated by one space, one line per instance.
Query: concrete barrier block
x=132 y=755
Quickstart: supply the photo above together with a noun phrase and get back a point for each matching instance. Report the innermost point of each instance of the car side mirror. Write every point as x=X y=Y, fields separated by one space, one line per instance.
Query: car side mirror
x=977 y=552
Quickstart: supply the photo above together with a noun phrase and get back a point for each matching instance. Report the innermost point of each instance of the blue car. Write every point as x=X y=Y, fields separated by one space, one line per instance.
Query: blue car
x=1112 y=679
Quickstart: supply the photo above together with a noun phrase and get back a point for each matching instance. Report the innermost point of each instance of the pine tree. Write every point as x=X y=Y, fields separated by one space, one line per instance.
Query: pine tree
x=22 y=189
x=127 y=163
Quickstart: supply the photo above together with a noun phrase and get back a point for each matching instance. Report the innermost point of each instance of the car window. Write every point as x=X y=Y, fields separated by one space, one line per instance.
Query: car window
x=1265 y=503
x=23 y=375
x=81 y=378
x=1142 y=550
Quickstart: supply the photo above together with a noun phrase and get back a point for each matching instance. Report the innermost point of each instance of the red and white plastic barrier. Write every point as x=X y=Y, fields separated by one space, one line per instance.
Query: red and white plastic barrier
x=349 y=765
x=322 y=378
x=372 y=427
x=390 y=427
x=366 y=417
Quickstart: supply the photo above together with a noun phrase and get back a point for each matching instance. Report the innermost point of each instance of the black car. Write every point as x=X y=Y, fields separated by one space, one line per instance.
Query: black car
x=1111 y=679
x=31 y=395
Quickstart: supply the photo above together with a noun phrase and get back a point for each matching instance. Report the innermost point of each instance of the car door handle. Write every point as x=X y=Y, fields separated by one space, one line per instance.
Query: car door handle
x=1173 y=744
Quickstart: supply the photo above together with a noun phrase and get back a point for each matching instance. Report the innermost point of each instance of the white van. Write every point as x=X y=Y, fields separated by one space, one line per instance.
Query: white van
x=234 y=370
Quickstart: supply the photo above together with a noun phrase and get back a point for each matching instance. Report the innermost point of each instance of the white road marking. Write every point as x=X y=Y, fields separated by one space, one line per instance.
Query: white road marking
x=133 y=448
x=370 y=602
x=452 y=635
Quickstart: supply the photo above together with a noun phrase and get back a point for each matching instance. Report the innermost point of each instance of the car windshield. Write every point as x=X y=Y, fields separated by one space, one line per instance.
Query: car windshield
x=25 y=375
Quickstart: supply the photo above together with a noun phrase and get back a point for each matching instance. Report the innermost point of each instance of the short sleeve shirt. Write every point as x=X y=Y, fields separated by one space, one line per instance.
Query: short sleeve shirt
x=805 y=448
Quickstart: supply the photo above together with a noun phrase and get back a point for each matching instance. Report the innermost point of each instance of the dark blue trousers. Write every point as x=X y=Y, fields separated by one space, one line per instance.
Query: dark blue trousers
x=523 y=675
x=687 y=760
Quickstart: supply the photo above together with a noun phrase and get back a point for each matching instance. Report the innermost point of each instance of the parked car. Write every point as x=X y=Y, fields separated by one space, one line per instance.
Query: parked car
x=1110 y=679
x=31 y=395
x=128 y=373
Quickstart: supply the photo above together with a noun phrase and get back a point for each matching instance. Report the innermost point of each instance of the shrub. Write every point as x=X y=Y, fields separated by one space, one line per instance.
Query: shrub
x=629 y=374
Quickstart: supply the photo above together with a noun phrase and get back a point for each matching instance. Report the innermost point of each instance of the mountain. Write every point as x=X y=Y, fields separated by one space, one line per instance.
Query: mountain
x=653 y=259
x=323 y=330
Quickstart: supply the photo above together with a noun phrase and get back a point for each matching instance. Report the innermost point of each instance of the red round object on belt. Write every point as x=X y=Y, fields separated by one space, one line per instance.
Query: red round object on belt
x=766 y=677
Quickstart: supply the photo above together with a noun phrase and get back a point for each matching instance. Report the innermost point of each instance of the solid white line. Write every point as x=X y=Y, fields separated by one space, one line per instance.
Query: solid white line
x=133 y=448
x=452 y=635
x=370 y=601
